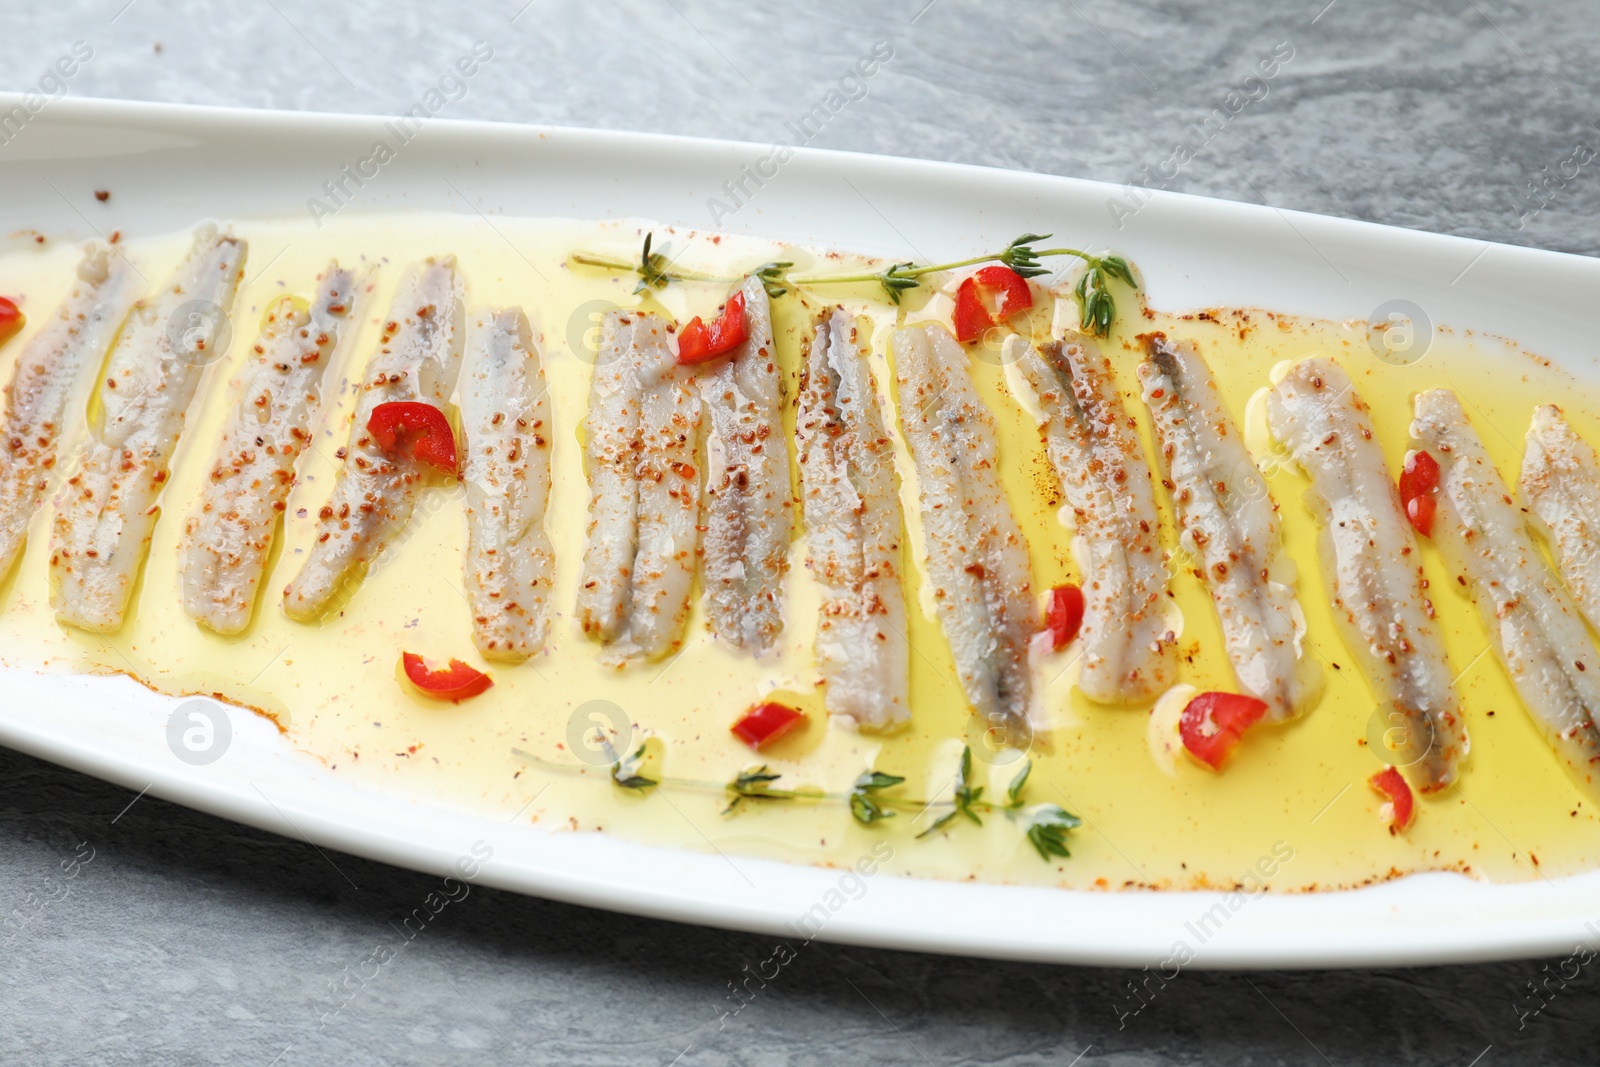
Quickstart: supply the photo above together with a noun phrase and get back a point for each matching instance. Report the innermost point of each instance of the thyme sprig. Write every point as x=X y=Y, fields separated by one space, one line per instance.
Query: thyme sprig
x=1096 y=305
x=654 y=269
x=869 y=799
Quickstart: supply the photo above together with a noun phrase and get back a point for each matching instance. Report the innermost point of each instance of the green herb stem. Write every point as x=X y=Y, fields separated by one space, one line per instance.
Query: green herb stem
x=906 y=270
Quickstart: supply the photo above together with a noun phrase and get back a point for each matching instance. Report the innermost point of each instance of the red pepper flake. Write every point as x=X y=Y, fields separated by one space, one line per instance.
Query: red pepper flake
x=432 y=441
x=988 y=298
x=765 y=723
x=699 y=343
x=1064 y=615
x=1400 y=807
x=11 y=319
x=1213 y=723
x=102 y=195
x=454 y=683
x=1418 y=479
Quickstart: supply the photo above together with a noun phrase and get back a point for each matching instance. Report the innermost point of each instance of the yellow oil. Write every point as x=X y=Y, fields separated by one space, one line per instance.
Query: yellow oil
x=334 y=688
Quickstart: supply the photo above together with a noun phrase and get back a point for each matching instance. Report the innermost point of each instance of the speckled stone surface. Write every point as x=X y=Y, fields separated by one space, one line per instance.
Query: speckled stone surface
x=188 y=940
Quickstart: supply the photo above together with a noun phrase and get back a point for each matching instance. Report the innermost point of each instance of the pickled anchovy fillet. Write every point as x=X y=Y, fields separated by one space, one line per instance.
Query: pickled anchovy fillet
x=643 y=428
x=1372 y=565
x=853 y=528
x=101 y=533
x=228 y=537
x=1228 y=520
x=1129 y=649
x=977 y=558
x=749 y=503
x=375 y=492
x=1534 y=626
x=505 y=412
x=1561 y=484
x=47 y=373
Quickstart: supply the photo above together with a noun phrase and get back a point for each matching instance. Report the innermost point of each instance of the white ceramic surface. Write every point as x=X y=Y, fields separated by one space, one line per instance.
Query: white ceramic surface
x=170 y=166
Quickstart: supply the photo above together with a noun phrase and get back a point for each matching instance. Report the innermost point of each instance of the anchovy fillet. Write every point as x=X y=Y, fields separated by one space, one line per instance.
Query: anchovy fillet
x=1561 y=484
x=1372 y=565
x=108 y=510
x=229 y=535
x=851 y=500
x=1228 y=520
x=1129 y=649
x=505 y=412
x=375 y=492
x=643 y=431
x=977 y=558
x=748 y=499
x=47 y=373
x=1534 y=626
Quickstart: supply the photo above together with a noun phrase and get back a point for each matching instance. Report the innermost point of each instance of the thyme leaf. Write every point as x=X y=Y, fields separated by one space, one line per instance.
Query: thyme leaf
x=1020 y=256
x=754 y=784
x=1048 y=829
x=966 y=799
x=772 y=277
x=1014 y=793
x=652 y=268
x=864 y=807
x=625 y=772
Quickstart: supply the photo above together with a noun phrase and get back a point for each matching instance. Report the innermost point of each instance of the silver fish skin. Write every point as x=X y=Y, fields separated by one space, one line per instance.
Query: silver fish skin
x=749 y=501
x=977 y=557
x=229 y=535
x=108 y=508
x=1372 y=566
x=1560 y=481
x=854 y=530
x=505 y=413
x=376 y=492
x=48 y=374
x=1228 y=520
x=1533 y=625
x=643 y=543
x=1129 y=647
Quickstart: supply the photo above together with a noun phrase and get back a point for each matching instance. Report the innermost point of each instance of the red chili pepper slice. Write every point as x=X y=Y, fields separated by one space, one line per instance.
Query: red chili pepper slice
x=11 y=319
x=1213 y=723
x=971 y=318
x=455 y=683
x=999 y=288
x=1064 y=615
x=432 y=441
x=1401 y=806
x=1418 y=479
x=765 y=723
x=698 y=343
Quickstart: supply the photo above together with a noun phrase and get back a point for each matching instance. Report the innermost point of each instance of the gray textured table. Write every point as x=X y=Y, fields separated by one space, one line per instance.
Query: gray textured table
x=186 y=939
